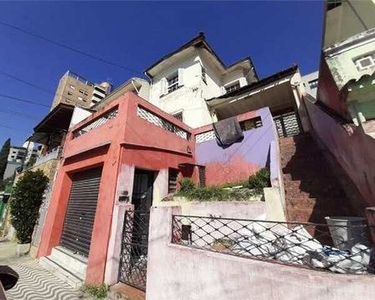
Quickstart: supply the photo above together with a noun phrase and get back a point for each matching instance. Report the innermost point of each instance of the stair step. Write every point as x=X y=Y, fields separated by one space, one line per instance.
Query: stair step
x=61 y=272
x=74 y=262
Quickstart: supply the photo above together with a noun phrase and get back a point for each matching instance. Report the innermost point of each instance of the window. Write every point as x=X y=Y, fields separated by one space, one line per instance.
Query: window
x=232 y=87
x=72 y=87
x=172 y=180
x=172 y=83
x=178 y=116
x=204 y=78
x=366 y=62
x=313 y=84
x=80 y=98
x=251 y=124
x=70 y=93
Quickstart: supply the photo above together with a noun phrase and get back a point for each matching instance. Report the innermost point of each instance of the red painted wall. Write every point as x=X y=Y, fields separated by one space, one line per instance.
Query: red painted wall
x=124 y=139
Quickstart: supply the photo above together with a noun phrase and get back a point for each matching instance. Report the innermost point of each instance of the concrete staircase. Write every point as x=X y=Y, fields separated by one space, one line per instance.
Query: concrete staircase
x=64 y=264
x=312 y=190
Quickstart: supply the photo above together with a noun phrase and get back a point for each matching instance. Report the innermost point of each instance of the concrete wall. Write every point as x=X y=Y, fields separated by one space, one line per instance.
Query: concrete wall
x=348 y=19
x=238 y=161
x=190 y=97
x=342 y=64
x=79 y=114
x=354 y=151
x=119 y=145
x=178 y=272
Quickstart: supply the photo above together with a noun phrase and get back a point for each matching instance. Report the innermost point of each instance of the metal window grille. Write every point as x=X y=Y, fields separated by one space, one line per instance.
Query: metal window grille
x=205 y=136
x=232 y=87
x=162 y=123
x=172 y=83
x=340 y=249
x=95 y=124
x=287 y=124
x=251 y=124
x=172 y=180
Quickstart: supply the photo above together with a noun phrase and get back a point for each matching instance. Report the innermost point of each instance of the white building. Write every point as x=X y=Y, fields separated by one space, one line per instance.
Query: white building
x=182 y=80
x=310 y=82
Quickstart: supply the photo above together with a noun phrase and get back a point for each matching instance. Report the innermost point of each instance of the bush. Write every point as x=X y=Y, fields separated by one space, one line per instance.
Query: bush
x=260 y=180
x=186 y=185
x=98 y=292
x=26 y=199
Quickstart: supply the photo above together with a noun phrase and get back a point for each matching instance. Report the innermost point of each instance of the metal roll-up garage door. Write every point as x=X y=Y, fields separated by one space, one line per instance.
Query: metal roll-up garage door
x=80 y=214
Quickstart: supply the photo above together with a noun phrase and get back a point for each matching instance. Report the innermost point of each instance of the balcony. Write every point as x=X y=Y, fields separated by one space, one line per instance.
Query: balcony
x=52 y=154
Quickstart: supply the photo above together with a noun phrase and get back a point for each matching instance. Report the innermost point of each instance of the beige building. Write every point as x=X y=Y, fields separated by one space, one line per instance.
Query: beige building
x=73 y=89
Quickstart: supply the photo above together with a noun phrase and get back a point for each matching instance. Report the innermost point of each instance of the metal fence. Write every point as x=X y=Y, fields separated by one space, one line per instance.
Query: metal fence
x=340 y=249
x=134 y=248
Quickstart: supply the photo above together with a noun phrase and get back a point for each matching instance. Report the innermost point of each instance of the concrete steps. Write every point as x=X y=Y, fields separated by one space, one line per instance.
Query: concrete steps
x=69 y=267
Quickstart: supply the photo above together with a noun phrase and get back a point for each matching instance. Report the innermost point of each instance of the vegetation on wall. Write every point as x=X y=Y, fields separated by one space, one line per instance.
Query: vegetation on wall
x=246 y=189
x=24 y=206
x=4 y=152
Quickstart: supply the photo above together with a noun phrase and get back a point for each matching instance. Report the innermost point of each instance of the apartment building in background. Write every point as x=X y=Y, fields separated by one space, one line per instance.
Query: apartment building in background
x=74 y=89
x=20 y=157
x=310 y=82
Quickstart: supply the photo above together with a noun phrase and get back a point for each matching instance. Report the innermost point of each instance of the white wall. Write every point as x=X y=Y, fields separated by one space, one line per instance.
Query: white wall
x=190 y=98
x=180 y=272
x=342 y=66
x=79 y=114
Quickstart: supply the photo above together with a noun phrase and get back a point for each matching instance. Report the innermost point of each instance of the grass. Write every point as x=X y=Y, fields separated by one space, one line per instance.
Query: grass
x=251 y=187
x=98 y=292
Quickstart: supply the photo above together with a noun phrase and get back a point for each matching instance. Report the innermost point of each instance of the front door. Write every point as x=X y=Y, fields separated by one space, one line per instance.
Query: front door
x=80 y=213
x=133 y=257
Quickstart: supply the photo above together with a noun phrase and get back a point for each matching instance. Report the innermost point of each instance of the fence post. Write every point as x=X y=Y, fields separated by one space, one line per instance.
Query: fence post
x=370 y=215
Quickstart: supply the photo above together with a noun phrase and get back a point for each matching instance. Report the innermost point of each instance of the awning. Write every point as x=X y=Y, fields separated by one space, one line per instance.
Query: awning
x=49 y=131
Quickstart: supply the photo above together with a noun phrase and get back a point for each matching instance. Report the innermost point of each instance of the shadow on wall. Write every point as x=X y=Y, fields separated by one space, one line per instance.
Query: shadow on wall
x=312 y=189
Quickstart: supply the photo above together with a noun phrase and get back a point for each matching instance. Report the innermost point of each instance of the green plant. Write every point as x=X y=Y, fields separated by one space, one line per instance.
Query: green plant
x=26 y=199
x=259 y=180
x=186 y=185
x=98 y=292
x=4 y=158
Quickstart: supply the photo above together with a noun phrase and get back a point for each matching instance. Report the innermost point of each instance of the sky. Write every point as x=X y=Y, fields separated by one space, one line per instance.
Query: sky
x=275 y=34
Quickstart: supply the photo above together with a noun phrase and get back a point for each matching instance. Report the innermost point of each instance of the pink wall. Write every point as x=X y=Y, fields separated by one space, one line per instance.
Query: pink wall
x=180 y=272
x=125 y=139
x=354 y=152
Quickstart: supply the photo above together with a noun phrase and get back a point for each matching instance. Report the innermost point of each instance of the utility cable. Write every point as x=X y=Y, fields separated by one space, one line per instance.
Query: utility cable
x=69 y=48
x=23 y=100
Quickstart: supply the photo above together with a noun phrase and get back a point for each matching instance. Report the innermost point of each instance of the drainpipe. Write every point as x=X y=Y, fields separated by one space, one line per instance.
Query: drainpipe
x=359 y=118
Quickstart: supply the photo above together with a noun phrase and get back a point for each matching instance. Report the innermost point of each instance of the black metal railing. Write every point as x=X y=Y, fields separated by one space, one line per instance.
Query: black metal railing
x=134 y=248
x=341 y=249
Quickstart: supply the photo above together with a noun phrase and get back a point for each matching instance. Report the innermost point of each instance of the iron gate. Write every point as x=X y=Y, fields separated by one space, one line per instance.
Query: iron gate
x=287 y=124
x=133 y=256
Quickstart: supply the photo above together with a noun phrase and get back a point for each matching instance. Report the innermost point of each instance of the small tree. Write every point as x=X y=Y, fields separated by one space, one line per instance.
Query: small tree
x=27 y=197
x=4 y=152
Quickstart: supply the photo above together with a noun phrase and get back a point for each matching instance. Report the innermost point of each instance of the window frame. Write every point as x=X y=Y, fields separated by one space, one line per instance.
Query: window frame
x=228 y=87
x=171 y=87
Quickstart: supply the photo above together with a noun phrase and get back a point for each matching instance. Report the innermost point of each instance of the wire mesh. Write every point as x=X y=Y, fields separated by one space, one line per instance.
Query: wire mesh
x=162 y=123
x=340 y=249
x=95 y=124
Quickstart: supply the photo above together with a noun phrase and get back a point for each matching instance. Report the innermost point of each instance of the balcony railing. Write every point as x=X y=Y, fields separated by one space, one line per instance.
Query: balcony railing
x=52 y=154
x=335 y=248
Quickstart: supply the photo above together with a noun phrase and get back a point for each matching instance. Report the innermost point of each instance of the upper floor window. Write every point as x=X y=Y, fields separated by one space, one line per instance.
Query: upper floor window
x=366 y=62
x=232 y=87
x=313 y=84
x=204 y=77
x=72 y=87
x=178 y=116
x=172 y=82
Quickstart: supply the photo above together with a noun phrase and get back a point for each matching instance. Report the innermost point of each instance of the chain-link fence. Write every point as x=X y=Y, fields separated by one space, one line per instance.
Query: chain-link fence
x=336 y=248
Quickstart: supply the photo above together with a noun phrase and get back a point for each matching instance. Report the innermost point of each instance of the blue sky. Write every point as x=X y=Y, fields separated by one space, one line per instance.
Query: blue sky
x=136 y=34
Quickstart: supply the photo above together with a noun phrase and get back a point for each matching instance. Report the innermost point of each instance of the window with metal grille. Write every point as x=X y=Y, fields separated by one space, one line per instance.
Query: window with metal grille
x=204 y=79
x=251 y=124
x=202 y=175
x=162 y=123
x=172 y=83
x=96 y=123
x=233 y=87
x=172 y=180
x=366 y=62
x=178 y=116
